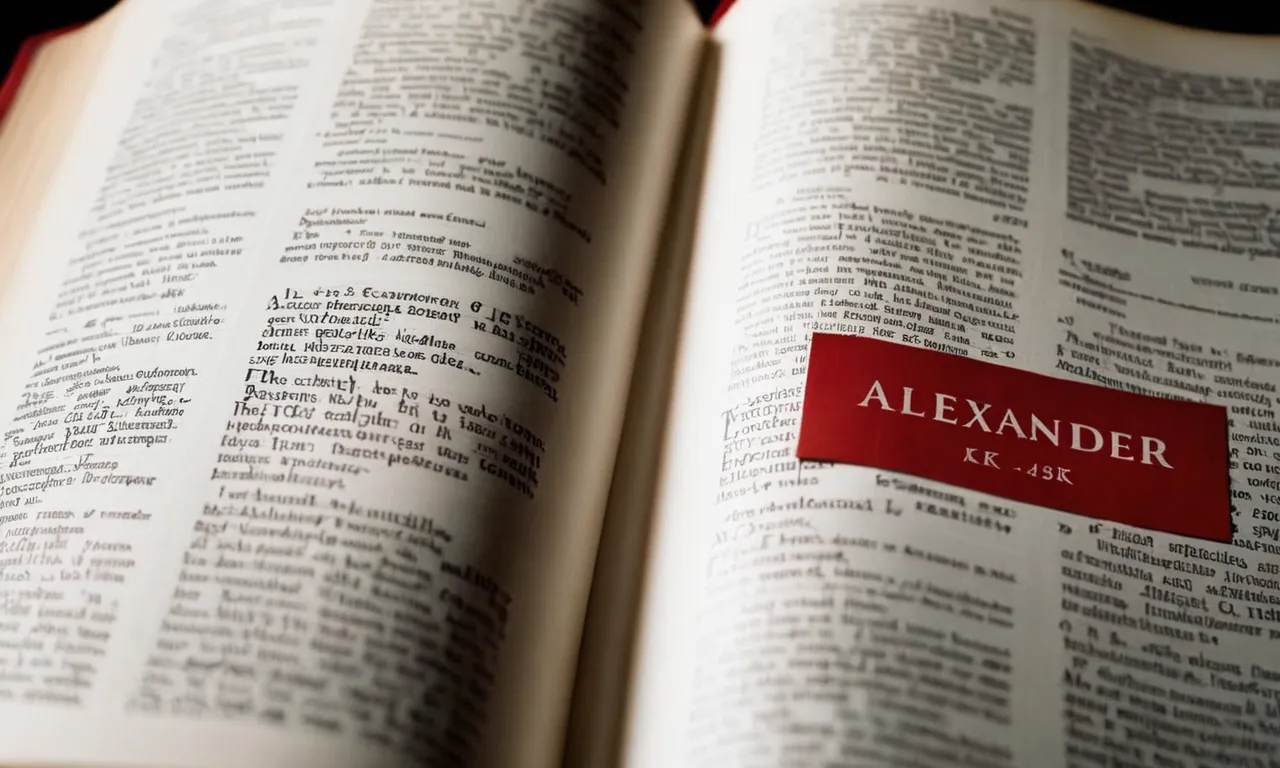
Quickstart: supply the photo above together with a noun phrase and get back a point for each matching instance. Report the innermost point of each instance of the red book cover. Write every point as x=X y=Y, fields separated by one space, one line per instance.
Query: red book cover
x=720 y=11
x=1133 y=459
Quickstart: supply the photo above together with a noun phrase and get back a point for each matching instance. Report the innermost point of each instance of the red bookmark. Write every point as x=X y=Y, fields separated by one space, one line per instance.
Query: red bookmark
x=1132 y=459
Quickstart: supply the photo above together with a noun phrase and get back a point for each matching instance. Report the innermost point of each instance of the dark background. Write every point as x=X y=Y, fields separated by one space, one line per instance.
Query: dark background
x=1250 y=16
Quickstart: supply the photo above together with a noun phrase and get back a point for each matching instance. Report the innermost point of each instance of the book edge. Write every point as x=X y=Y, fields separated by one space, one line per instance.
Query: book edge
x=13 y=79
x=721 y=9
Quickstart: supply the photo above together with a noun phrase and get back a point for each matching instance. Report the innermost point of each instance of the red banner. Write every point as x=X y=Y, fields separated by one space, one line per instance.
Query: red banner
x=1128 y=458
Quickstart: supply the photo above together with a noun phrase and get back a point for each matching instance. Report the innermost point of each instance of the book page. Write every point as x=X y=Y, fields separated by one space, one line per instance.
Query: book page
x=1042 y=185
x=313 y=378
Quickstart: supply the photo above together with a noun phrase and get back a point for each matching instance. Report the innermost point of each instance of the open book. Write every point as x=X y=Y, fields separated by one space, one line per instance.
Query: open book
x=417 y=383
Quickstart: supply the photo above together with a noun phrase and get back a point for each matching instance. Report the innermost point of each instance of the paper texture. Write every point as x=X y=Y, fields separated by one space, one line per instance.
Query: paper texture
x=1052 y=188
x=321 y=356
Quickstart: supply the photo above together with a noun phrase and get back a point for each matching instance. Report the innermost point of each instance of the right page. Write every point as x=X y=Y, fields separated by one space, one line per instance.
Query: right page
x=1050 y=186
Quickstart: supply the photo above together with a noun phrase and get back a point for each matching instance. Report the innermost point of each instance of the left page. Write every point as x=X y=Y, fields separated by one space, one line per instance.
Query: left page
x=313 y=377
